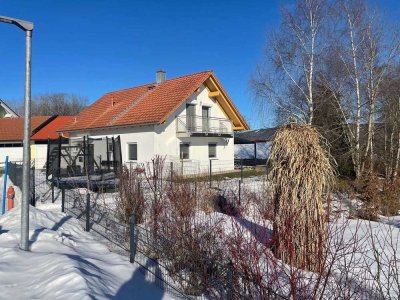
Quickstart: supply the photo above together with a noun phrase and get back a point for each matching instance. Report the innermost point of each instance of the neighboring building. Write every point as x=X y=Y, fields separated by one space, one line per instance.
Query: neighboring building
x=6 y=111
x=190 y=118
x=42 y=129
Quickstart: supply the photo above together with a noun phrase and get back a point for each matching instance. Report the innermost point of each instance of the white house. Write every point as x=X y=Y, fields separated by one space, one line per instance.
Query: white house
x=189 y=119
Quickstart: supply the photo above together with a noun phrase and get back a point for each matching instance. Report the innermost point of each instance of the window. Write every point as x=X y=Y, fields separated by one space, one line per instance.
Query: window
x=10 y=145
x=132 y=151
x=212 y=150
x=184 y=151
x=110 y=147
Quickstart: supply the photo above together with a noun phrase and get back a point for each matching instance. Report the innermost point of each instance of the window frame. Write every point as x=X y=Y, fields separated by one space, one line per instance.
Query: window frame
x=188 y=151
x=209 y=148
x=127 y=152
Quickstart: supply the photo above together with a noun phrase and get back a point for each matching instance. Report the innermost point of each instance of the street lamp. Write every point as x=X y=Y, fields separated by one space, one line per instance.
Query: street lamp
x=28 y=28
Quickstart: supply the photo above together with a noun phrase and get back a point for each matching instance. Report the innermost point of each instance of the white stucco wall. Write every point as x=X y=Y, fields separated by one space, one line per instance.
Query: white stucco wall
x=13 y=153
x=39 y=154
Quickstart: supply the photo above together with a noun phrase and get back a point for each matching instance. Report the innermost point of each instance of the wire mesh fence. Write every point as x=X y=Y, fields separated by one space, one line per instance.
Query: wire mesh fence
x=165 y=223
x=40 y=188
x=173 y=264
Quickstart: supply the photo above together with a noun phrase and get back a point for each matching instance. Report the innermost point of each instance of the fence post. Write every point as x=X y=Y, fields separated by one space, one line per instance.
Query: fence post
x=210 y=173
x=52 y=192
x=87 y=212
x=181 y=167
x=3 y=204
x=240 y=191
x=241 y=169
x=172 y=170
x=63 y=199
x=132 y=238
x=33 y=190
x=229 y=280
x=195 y=189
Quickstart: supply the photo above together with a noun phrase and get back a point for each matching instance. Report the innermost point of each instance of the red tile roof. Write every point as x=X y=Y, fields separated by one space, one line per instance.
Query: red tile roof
x=11 y=129
x=150 y=103
x=50 y=130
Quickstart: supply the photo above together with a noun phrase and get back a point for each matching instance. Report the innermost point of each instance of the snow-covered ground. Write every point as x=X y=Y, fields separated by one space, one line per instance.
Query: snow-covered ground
x=64 y=262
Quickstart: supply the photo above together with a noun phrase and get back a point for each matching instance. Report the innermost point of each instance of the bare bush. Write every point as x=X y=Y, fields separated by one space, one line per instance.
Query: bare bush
x=194 y=248
x=130 y=200
x=379 y=196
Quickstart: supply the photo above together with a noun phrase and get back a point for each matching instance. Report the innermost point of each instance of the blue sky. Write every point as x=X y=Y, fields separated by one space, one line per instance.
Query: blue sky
x=89 y=47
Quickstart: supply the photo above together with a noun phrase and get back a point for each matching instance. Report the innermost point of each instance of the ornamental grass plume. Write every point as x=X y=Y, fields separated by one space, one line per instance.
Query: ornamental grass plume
x=302 y=174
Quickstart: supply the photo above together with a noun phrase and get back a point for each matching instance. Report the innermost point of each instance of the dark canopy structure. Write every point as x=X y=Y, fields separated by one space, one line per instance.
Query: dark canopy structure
x=255 y=136
x=262 y=135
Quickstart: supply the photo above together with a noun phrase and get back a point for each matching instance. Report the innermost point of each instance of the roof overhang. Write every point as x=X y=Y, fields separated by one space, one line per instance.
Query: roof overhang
x=217 y=92
x=108 y=127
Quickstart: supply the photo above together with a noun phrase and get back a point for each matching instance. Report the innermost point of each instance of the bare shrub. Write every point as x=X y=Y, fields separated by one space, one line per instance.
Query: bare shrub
x=378 y=196
x=301 y=172
x=154 y=177
x=390 y=201
x=192 y=241
x=130 y=198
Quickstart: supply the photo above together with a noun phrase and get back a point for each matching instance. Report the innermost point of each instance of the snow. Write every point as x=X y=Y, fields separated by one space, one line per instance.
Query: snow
x=64 y=262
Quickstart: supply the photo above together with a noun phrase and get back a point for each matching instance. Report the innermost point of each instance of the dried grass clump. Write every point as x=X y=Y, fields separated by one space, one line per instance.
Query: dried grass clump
x=302 y=174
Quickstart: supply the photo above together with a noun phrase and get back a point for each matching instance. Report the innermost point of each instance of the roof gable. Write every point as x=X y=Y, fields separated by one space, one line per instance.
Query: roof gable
x=49 y=131
x=8 y=109
x=147 y=104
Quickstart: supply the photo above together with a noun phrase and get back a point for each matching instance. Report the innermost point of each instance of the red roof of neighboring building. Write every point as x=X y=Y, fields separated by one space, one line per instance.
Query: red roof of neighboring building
x=146 y=104
x=50 y=130
x=12 y=129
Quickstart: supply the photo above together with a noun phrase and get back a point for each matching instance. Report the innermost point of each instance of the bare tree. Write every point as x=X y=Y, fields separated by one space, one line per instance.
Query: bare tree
x=380 y=53
x=389 y=115
x=293 y=51
x=56 y=104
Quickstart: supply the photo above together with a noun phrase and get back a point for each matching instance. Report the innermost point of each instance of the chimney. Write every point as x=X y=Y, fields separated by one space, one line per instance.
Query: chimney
x=160 y=76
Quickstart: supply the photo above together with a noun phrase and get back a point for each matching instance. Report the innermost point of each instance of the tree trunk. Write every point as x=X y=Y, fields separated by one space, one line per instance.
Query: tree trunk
x=397 y=161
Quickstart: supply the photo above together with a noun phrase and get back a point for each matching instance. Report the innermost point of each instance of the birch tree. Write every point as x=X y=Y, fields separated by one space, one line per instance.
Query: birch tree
x=381 y=50
x=389 y=115
x=293 y=52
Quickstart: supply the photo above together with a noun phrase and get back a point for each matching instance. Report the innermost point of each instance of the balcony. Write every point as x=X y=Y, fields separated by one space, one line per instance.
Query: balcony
x=188 y=126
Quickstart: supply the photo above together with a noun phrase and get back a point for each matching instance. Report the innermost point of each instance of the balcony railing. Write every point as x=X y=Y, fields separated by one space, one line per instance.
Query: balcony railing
x=200 y=126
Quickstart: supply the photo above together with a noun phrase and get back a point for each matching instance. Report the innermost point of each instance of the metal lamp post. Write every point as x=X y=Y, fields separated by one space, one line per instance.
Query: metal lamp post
x=28 y=28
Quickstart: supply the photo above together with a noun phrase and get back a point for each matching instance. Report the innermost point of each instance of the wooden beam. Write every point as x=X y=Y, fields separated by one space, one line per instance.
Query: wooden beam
x=213 y=94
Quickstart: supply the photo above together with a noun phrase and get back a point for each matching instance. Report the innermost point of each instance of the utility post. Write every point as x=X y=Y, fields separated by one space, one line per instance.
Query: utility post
x=28 y=28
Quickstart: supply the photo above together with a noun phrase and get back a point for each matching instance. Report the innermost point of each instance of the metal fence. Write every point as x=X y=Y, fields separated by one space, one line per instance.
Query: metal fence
x=40 y=188
x=172 y=263
x=193 y=278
